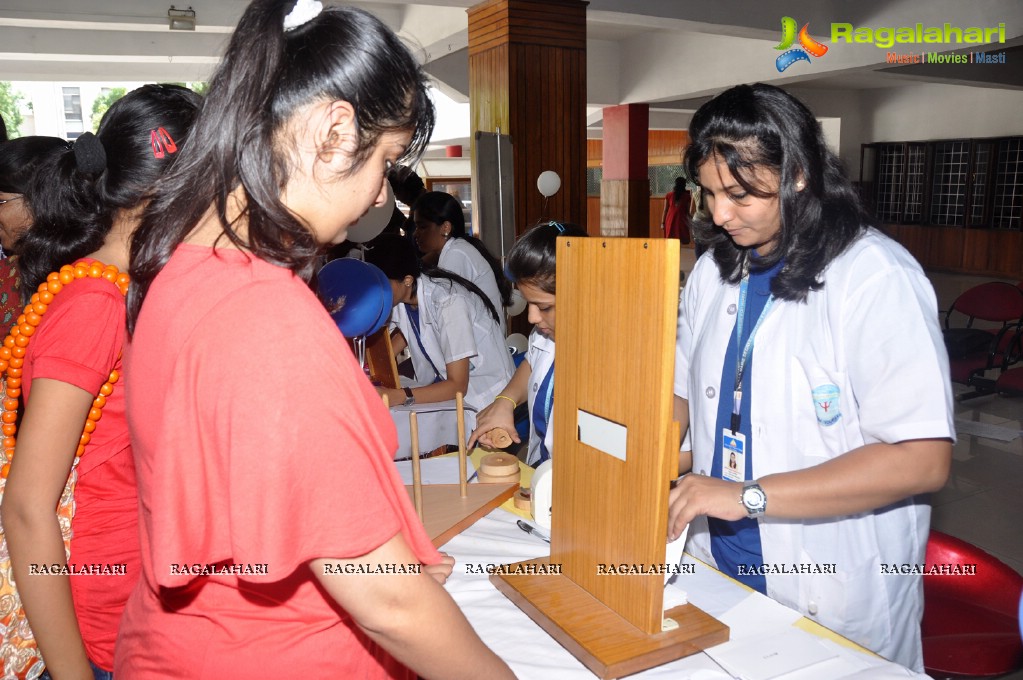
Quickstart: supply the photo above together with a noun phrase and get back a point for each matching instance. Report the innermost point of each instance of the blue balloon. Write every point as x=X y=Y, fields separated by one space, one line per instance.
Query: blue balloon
x=385 y=311
x=356 y=294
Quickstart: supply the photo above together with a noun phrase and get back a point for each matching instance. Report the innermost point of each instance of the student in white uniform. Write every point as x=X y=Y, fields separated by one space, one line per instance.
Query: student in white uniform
x=808 y=348
x=531 y=267
x=440 y=236
x=449 y=327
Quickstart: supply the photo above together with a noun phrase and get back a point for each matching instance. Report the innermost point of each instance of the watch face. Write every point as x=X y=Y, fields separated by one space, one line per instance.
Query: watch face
x=753 y=498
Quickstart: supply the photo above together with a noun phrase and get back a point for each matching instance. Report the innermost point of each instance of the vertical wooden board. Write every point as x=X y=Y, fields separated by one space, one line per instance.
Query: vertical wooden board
x=380 y=359
x=618 y=303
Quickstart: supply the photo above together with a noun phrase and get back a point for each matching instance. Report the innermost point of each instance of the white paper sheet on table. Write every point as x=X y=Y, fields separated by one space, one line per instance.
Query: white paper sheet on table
x=771 y=656
x=435 y=470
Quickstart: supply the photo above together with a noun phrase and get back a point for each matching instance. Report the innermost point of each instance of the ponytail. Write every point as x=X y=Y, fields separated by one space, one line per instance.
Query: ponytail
x=68 y=216
x=443 y=274
x=240 y=143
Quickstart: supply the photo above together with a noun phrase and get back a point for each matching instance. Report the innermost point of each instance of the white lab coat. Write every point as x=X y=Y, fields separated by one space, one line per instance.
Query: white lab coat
x=460 y=257
x=455 y=324
x=540 y=355
x=873 y=333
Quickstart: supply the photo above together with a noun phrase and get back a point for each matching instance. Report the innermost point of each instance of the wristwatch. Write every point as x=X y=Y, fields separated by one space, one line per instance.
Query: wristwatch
x=753 y=499
x=409 y=397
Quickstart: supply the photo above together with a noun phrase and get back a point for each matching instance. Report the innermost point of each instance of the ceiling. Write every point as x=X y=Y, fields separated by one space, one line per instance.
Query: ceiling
x=672 y=54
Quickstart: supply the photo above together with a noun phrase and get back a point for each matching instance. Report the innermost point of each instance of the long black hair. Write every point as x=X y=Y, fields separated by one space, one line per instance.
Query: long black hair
x=3 y=130
x=341 y=54
x=77 y=195
x=20 y=157
x=397 y=258
x=679 y=190
x=439 y=207
x=531 y=259
x=761 y=126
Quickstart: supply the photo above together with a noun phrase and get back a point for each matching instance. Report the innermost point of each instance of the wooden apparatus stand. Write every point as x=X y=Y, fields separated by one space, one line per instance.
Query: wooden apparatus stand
x=616 y=362
x=447 y=510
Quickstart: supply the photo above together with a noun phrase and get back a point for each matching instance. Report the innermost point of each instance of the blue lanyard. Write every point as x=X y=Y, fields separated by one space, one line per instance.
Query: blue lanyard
x=413 y=315
x=542 y=411
x=740 y=365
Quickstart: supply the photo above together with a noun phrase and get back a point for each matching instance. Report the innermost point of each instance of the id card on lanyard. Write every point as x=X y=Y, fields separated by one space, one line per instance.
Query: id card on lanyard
x=733 y=441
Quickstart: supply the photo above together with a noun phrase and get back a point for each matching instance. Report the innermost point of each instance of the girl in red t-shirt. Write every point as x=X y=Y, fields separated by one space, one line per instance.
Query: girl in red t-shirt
x=277 y=537
x=74 y=579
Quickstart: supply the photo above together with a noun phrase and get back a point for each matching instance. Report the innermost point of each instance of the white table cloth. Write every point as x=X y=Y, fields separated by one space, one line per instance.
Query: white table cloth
x=754 y=619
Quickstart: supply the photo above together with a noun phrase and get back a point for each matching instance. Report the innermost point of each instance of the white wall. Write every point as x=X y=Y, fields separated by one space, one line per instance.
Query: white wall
x=922 y=112
x=845 y=134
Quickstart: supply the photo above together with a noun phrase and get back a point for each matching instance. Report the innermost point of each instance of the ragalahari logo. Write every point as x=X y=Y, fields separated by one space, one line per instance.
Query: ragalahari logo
x=788 y=36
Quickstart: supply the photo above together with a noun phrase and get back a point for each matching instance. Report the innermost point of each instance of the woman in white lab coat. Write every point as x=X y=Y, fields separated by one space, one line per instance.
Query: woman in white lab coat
x=440 y=235
x=532 y=268
x=449 y=326
x=808 y=349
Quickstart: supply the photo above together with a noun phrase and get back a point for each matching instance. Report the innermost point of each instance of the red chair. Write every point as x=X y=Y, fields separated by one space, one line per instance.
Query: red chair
x=971 y=622
x=973 y=351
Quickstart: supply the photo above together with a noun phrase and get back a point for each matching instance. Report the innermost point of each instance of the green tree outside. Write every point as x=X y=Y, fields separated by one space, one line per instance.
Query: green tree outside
x=10 y=108
x=103 y=102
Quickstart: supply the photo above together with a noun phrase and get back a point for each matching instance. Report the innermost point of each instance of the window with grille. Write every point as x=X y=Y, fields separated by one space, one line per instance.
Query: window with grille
x=948 y=188
x=958 y=182
x=1007 y=181
x=593 y=179
x=662 y=178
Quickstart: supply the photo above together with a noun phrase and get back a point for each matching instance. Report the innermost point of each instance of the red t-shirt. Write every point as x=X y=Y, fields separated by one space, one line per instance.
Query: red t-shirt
x=78 y=342
x=258 y=441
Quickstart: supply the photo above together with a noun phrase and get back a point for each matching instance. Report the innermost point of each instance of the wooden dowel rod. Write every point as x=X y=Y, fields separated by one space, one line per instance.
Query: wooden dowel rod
x=463 y=485
x=417 y=482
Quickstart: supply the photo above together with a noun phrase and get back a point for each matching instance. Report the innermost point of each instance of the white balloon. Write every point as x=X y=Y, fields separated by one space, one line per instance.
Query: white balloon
x=517 y=343
x=369 y=226
x=518 y=303
x=548 y=183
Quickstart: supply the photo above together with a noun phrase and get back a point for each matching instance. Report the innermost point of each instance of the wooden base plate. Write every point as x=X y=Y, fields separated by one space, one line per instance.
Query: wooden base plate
x=604 y=642
x=446 y=514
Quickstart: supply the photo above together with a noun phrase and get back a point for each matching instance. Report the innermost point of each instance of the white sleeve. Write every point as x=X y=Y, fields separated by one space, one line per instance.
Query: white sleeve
x=898 y=366
x=455 y=329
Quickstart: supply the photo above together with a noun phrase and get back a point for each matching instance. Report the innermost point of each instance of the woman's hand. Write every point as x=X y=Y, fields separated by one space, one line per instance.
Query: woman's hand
x=441 y=570
x=695 y=495
x=500 y=414
x=394 y=397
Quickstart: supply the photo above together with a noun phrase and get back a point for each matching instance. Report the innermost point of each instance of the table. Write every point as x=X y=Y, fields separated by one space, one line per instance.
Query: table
x=533 y=654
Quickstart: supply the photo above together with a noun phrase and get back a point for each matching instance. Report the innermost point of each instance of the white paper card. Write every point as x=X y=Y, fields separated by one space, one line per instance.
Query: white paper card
x=602 y=434
x=764 y=658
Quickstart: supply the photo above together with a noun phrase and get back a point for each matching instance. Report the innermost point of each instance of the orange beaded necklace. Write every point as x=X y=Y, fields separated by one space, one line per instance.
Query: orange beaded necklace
x=12 y=353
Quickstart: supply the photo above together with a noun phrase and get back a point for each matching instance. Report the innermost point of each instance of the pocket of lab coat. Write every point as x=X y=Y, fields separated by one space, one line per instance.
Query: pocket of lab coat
x=851 y=601
x=820 y=399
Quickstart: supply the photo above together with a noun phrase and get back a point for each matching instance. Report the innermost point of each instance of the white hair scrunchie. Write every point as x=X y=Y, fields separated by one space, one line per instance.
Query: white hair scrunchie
x=303 y=12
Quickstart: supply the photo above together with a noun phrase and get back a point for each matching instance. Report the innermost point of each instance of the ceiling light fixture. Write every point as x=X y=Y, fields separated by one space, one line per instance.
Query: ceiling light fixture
x=181 y=19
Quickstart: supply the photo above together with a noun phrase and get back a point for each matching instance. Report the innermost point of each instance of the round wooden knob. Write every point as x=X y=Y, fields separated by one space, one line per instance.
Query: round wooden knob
x=499 y=438
x=499 y=465
x=521 y=499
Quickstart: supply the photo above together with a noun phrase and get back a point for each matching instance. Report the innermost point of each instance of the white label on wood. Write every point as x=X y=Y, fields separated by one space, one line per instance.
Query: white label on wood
x=602 y=434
